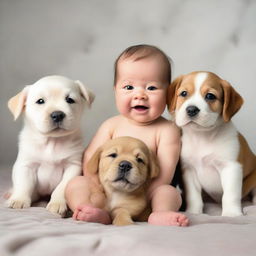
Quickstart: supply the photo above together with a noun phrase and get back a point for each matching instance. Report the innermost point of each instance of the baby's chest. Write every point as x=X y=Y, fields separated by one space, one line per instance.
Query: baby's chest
x=148 y=137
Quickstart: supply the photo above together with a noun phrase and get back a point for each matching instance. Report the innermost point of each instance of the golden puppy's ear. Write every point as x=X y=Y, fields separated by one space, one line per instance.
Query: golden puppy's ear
x=93 y=164
x=17 y=103
x=232 y=101
x=154 y=166
x=86 y=93
x=172 y=95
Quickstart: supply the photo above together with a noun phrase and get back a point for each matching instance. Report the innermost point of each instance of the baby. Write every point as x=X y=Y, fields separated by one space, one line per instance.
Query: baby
x=142 y=75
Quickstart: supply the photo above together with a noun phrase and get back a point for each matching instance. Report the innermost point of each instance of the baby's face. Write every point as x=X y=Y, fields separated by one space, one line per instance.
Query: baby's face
x=140 y=89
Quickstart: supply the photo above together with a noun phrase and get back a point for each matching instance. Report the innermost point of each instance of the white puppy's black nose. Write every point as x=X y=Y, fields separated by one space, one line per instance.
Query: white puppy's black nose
x=192 y=111
x=57 y=116
x=125 y=167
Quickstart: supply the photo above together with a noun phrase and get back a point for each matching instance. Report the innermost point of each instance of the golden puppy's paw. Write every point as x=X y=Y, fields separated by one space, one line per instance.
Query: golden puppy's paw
x=122 y=221
x=18 y=202
x=57 y=207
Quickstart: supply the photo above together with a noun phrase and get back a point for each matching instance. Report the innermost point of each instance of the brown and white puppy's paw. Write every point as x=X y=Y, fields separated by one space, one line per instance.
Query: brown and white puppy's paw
x=215 y=158
x=50 y=143
x=125 y=167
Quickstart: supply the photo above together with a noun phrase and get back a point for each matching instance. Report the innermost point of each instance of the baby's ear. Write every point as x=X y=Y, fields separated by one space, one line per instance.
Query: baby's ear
x=154 y=166
x=17 y=103
x=86 y=93
x=93 y=164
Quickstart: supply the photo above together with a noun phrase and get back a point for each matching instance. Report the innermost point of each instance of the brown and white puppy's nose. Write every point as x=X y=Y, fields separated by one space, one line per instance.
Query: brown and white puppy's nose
x=192 y=111
x=124 y=167
x=57 y=116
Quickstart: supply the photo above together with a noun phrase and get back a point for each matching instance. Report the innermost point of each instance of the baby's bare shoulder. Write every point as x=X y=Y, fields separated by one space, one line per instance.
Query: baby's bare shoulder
x=110 y=122
x=168 y=130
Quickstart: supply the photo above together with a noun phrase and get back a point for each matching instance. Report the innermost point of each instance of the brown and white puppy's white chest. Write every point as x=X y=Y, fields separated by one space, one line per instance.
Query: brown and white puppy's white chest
x=211 y=154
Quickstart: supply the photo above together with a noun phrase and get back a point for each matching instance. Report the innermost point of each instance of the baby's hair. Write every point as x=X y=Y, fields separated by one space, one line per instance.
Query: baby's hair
x=143 y=51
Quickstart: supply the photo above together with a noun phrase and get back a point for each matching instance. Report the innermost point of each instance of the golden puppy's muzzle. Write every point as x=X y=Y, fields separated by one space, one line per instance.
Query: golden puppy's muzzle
x=123 y=172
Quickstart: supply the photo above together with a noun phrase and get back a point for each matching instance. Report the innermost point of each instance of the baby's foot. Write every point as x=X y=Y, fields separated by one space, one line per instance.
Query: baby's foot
x=168 y=219
x=89 y=213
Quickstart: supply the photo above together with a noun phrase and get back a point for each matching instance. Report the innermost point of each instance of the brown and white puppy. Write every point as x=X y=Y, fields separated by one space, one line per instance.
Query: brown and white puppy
x=50 y=143
x=125 y=167
x=214 y=156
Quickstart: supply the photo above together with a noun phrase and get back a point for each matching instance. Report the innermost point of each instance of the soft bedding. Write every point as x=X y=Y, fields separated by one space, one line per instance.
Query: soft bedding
x=35 y=231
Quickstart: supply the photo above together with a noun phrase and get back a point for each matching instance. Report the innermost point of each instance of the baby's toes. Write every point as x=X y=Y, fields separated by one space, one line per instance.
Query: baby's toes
x=183 y=220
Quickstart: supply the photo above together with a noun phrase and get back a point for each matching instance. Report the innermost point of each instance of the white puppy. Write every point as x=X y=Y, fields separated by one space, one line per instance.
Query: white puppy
x=50 y=143
x=214 y=156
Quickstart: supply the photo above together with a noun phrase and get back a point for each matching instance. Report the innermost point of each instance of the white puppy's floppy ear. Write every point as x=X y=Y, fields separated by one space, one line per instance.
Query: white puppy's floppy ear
x=87 y=94
x=17 y=103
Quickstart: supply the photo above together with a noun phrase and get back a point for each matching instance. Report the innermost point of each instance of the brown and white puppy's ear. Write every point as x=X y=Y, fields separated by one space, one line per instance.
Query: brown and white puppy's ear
x=172 y=95
x=154 y=166
x=17 y=103
x=232 y=101
x=86 y=93
x=93 y=164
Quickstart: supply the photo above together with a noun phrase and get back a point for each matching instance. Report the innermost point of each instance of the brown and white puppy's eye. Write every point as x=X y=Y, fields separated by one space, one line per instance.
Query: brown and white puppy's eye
x=183 y=94
x=210 y=97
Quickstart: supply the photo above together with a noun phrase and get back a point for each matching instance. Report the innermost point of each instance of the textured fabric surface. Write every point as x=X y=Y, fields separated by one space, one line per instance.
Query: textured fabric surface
x=35 y=231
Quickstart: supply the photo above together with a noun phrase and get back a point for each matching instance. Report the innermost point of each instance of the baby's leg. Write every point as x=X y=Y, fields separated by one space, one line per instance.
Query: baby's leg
x=165 y=202
x=86 y=203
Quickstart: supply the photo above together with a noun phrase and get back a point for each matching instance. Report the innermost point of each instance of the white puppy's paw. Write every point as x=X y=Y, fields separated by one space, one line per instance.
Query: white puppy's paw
x=59 y=207
x=19 y=202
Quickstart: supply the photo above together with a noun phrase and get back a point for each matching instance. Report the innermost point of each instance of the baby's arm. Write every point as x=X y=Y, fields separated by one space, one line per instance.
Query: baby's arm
x=168 y=152
x=103 y=134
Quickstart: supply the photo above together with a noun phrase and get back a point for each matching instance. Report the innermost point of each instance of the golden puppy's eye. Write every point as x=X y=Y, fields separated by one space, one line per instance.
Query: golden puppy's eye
x=113 y=155
x=140 y=160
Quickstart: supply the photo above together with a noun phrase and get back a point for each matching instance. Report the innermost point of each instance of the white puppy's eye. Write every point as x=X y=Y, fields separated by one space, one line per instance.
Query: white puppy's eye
x=184 y=94
x=113 y=155
x=210 y=96
x=140 y=160
x=70 y=100
x=40 y=101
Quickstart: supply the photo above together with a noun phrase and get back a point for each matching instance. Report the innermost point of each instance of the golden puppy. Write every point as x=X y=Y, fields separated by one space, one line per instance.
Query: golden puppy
x=125 y=166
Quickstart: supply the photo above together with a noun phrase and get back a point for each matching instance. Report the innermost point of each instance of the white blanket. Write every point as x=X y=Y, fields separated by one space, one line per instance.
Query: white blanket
x=35 y=231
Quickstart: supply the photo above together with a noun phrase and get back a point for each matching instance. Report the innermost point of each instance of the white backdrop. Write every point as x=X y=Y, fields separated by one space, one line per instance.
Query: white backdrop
x=81 y=39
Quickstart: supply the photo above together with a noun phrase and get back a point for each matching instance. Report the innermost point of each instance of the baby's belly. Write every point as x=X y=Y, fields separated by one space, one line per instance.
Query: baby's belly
x=49 y=176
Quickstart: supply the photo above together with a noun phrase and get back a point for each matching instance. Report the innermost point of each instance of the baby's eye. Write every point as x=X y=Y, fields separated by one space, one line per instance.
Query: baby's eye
x=152 y=88
x=128 y=87
x=40 y=101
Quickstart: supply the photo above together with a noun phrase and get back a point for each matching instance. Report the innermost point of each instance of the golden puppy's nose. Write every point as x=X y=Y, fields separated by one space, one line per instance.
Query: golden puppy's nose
x=125 y=167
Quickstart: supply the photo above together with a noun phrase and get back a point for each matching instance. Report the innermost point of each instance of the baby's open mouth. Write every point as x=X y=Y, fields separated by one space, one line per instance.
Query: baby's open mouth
x=140 y=107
